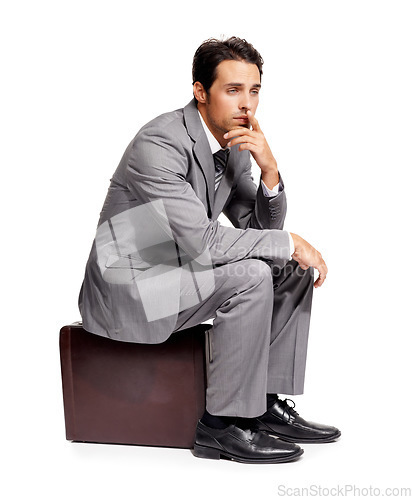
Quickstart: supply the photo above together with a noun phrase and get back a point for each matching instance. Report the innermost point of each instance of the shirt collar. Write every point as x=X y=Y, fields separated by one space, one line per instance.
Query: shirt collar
x=213 y=142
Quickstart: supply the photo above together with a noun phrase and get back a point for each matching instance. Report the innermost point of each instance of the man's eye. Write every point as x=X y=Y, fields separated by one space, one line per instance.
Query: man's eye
x=232 y=91
x=255 y=92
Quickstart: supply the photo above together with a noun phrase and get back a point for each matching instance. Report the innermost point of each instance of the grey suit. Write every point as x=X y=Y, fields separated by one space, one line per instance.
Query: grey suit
x=162 y=262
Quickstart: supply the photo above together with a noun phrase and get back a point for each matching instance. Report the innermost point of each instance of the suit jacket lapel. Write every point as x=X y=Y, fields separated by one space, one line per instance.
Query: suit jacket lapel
x=204 y=156
x=201 y=149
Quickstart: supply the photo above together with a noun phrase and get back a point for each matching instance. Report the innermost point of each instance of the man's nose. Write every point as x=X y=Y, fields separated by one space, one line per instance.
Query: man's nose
x=244 y=102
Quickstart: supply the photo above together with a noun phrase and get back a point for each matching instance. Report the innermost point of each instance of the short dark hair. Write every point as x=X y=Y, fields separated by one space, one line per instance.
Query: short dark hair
x=213 y=51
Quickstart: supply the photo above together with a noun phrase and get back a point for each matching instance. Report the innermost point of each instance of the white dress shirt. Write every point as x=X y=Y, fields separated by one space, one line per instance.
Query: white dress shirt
x=215 y=147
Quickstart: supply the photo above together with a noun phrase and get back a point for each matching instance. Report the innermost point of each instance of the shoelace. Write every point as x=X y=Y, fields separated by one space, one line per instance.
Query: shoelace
x=287 y=409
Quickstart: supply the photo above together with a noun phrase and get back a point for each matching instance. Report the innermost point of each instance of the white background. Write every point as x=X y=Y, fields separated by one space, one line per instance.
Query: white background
x=79 y=78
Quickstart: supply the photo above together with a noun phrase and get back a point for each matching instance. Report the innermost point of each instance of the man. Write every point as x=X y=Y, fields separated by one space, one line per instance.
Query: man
x=161 y=262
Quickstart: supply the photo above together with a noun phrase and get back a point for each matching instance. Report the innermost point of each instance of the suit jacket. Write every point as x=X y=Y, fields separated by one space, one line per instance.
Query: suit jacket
x=158 y=238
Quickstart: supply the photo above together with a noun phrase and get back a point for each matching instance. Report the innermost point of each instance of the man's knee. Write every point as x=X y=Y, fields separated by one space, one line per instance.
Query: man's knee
x=246 y=275
x=258 y=269
x=253 y=272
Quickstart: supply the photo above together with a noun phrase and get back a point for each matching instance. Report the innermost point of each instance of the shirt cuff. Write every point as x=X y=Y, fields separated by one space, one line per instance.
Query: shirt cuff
x=291 y=245
x=269 y=192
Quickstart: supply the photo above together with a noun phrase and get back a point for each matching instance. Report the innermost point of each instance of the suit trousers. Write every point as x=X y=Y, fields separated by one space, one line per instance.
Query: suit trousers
x=261 y=316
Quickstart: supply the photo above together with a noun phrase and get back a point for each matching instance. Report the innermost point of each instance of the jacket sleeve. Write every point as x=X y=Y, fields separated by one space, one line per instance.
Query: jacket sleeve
x=250 y=208
x=156 y=172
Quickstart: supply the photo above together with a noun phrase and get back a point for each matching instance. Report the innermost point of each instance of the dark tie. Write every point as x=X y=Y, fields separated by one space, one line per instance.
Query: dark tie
x=221 y=159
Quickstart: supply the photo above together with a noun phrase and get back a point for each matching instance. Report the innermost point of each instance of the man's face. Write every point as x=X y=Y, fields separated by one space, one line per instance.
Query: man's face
x=233 y=93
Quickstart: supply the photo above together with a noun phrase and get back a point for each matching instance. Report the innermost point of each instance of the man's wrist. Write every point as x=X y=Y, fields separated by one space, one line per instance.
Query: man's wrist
x=270 y=177
x=270 y=169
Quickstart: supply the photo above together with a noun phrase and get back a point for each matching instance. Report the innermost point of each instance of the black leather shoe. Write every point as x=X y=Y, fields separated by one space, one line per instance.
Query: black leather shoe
x=242 y=445
x=283 y=421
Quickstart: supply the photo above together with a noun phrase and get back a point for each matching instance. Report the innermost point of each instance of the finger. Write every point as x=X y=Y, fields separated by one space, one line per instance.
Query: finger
x=238 y=131
x=319 y=282
x=253 y=121
x=323 y=270
x=321 y=279
x=249 y=147
x=243 y=139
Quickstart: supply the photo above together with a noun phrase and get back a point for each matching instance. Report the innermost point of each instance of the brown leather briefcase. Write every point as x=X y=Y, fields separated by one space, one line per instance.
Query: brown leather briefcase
x=121 y=392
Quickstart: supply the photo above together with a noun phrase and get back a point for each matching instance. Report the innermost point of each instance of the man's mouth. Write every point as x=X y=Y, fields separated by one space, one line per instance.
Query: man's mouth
x=242 y=119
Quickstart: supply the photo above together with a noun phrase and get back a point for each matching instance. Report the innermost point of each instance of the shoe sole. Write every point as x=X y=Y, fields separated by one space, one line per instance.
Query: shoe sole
x=328 y=439
x=214 y=454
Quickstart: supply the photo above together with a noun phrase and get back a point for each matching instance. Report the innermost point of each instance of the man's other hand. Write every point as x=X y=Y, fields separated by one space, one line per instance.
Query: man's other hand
x=307 y=256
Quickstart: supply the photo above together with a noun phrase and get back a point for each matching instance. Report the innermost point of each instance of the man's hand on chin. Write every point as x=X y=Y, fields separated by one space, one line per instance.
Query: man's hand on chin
x=307 y=256
x=254 y=141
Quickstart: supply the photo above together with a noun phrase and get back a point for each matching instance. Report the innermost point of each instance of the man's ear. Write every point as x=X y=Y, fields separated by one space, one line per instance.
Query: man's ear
x=199 y=92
